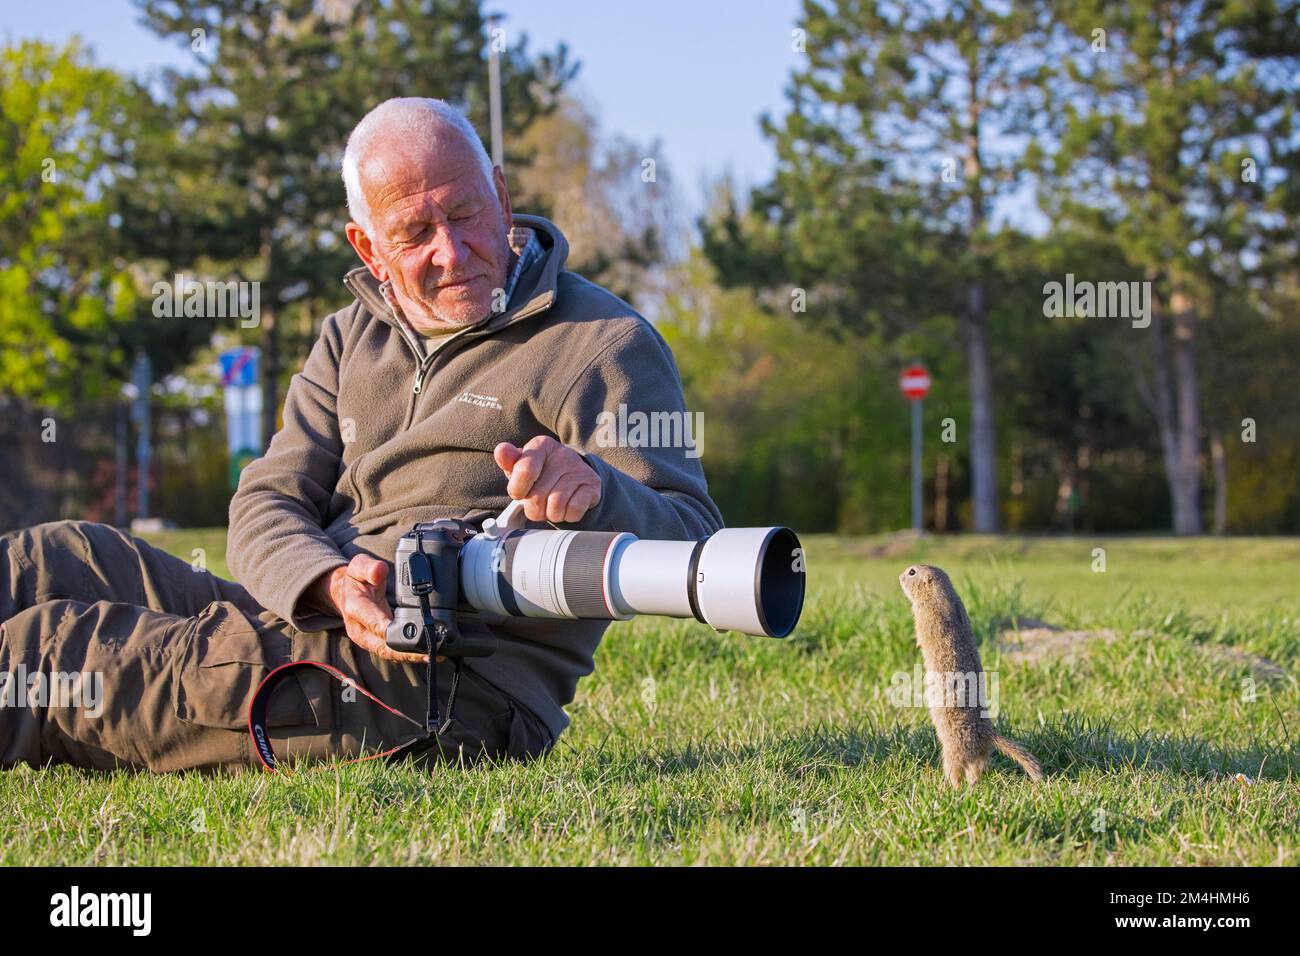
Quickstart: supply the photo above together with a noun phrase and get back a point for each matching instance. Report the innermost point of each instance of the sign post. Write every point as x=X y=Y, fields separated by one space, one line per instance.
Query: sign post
x=243 y=408
x=915 y=385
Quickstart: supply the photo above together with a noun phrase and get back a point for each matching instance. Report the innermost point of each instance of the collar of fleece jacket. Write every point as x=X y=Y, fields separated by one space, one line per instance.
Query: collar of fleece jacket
x=536 y=287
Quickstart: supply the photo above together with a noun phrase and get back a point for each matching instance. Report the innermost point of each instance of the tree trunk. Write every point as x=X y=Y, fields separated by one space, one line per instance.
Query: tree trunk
x=1183 y=420
x=1066 y=484
x=270 y=347
x=941 y=493
x=1187 y=504
x=983 y=441
x=1162 y=404
x=1017 y=470
x=1083 y=482
x=1176 y=411
x=270 y=377
x=1219 y=458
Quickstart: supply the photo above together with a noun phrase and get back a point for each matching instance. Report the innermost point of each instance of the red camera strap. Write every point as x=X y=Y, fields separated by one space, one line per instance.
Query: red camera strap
x=262 y=698
x=435 y=632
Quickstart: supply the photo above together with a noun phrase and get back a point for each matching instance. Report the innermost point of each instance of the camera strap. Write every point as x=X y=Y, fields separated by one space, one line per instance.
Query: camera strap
x=262 y=698
x=420 y=569
x=435 y=724
x=432 y=727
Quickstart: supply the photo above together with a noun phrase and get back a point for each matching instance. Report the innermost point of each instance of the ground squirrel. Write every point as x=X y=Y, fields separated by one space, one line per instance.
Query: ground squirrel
x=953 y=672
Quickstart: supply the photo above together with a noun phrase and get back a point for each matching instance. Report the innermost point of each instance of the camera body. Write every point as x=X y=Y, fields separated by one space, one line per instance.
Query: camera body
x=427 y=564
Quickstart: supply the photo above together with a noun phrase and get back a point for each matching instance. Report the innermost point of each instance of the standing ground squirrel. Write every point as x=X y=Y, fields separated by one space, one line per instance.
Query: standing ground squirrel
x=952 y=661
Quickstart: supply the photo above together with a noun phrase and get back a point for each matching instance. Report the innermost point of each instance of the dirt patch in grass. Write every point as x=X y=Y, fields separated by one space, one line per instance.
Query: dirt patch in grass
x=1037 y=642
x=1031 y=641
x=1261 y=668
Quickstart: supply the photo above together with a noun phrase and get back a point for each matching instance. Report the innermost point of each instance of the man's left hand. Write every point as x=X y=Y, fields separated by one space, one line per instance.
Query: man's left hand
x=551 y=479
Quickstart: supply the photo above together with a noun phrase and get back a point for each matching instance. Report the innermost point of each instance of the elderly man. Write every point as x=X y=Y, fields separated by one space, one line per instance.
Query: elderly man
x=470 y=370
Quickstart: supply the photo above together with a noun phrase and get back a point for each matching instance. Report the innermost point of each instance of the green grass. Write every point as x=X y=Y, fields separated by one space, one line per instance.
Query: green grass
x=757 y=751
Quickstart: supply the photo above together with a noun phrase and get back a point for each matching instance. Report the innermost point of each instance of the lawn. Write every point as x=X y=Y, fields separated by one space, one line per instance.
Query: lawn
x=1170 y=673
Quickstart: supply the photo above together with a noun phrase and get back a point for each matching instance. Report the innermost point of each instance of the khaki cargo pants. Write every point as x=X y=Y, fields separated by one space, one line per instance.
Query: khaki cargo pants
x=113 y=653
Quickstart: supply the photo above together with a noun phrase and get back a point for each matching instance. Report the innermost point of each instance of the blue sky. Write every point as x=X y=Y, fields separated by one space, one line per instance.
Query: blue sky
x=694 y=73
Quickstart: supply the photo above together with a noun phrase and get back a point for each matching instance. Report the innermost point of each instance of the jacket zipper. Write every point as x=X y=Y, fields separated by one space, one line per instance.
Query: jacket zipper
x=421 y=373
x=425 y=363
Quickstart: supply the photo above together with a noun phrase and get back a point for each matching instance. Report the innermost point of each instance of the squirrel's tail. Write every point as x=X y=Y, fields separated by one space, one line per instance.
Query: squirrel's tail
x=1020 y=755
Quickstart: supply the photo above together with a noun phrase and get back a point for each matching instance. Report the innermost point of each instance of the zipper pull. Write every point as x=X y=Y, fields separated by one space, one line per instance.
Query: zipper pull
x=419 y=380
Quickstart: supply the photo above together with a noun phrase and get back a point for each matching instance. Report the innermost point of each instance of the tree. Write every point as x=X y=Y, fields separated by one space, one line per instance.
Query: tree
x=1081 y=452
x=74 y=300
x=66 y=300
x=266 y=113
x=792 y=420
x=1164 y=110
x=616 y=210
x=901 y=136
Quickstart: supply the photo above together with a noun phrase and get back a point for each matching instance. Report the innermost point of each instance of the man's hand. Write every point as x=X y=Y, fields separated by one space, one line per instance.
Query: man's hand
x=356 y=593
x=551 y=479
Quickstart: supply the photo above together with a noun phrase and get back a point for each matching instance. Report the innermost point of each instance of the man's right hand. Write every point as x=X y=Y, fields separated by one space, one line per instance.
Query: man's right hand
x=356 y=593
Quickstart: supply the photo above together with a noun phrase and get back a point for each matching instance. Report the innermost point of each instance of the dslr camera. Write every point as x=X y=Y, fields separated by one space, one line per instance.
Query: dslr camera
x=453 y=580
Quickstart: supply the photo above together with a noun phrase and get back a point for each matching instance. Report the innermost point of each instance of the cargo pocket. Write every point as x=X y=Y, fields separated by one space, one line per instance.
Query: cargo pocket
x=512 y=732
x=528 y=738
x=227 y=658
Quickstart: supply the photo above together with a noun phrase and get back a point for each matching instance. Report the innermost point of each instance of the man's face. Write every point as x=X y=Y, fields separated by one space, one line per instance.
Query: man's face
x=440 y=232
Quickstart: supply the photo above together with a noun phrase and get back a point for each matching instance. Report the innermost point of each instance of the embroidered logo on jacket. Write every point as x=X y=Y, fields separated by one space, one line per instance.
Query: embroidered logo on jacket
x=482 y=401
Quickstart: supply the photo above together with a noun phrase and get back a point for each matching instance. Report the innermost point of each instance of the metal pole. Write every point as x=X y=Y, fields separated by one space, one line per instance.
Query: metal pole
x=143 y=380
x=119 y=454
x=916 y=466
x=494 y=93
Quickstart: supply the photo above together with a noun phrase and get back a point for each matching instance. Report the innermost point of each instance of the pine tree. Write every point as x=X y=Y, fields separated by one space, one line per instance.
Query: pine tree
x=900 y=139
x=1171 y=115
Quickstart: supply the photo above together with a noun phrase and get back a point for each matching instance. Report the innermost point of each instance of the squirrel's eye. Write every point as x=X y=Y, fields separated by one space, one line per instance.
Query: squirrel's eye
x=911 y=571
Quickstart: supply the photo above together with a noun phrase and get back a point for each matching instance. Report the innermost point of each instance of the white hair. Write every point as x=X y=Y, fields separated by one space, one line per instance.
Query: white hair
x=409 y=124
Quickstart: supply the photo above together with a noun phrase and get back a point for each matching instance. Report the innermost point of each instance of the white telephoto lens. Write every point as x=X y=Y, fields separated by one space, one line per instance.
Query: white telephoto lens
x=742 y=579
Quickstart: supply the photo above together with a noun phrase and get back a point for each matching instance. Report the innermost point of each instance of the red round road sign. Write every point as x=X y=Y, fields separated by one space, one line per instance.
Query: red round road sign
x=915 y=382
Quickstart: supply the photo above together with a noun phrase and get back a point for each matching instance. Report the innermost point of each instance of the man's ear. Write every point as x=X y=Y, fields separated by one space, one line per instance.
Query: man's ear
x=365 y=249
x=503 y=195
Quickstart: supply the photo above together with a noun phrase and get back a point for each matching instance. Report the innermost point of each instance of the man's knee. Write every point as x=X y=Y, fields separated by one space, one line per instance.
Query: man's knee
x=71 y=559
x=491 y=723
x=58 y=543
x=68 y=534
x=22 y=635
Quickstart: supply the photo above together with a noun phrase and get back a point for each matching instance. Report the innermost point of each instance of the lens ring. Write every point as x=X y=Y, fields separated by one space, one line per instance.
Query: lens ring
x=778 y=587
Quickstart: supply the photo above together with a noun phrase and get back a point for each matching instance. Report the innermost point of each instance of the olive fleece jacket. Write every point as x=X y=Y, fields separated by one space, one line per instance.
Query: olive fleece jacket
x=375 y=438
